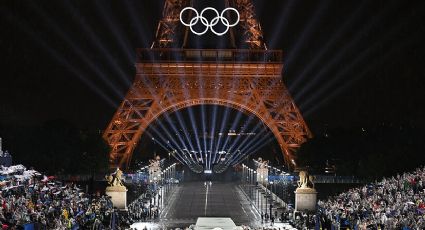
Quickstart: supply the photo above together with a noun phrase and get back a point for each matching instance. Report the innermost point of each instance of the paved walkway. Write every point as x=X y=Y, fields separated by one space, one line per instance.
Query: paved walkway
x=193 y=199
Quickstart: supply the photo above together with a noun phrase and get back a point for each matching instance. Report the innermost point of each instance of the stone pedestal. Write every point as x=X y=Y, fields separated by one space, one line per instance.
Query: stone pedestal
x=305 y=199
x=262 y=175
x=118 y=196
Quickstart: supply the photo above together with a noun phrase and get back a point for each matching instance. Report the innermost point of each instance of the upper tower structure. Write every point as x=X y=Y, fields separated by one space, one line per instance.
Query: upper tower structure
x=171 y=76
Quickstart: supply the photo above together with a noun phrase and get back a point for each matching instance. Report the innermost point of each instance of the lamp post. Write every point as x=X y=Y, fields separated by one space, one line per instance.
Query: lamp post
x=258 y=198
x=161 y=198
x=154 y=191
x=253 y=181
x=261 y=202
x=272 y=183
x=266 y=195
x=170 y=178
x=246 y=178
x=167 y=180
x=242 y=174
x=271 y=188
x=249 y=181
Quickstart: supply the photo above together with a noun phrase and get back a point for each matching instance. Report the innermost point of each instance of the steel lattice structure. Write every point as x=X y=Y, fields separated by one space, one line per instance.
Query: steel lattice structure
x=168 y=79
x=168 y=30
x=251 y=30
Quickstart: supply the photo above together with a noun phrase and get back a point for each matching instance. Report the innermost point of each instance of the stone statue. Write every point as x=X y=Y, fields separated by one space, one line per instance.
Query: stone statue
x=116 y=190
x=155 y=163
x=155 y=169
x=262 y=164
x=311 y=181
x=306 y=180
x=305 y=194
x=115 y=179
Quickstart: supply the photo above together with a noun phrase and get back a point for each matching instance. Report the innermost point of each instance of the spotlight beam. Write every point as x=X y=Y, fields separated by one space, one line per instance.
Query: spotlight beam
x=193 y=121
x=167 y=120
x=77 y=50
x=264 y=139
x=215 y=148
x=258 y=125
x=181 y=123
x=361 y=57
x=96 y=40
x=137 y=22
x=255 y=145
x=241 y=151
x=115 y=29
x=231 y=96
x=260 y=144
x=351 y=81
x=339 y=56
x=162 y=145
x=181 y=120
x=307 y=32
x=204 y=134
x=249 y=120
x=54 y=53
x=237 y=120
x=222 y=126
x=326 y=48
x=283 y=21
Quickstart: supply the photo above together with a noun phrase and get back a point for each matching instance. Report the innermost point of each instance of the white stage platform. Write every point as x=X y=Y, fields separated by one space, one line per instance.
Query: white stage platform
x=209 y=223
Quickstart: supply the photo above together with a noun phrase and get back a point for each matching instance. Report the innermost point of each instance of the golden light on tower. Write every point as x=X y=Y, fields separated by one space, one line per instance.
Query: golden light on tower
x=168 y=79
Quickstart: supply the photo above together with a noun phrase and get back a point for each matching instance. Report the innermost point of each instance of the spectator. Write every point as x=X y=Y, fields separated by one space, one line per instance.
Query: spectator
x=393 y=203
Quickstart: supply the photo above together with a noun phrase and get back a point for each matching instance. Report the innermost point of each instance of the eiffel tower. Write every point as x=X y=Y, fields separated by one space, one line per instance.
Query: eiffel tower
x=170 y=76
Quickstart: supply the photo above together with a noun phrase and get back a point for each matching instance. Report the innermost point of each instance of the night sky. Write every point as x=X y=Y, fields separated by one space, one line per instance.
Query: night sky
x=347 y=63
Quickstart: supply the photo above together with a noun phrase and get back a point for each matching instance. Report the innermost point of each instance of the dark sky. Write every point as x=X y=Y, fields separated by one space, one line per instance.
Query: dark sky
x=347 y=63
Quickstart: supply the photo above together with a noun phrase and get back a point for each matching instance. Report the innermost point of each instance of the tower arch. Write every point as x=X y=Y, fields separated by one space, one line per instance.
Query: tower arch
x=169 y=78
x=252 y=86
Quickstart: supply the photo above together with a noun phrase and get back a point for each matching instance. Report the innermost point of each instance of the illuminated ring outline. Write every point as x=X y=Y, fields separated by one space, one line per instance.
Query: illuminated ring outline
x=222 y=17
x=190 y=23
x=204 y=21
x=209 y=24
x=225 y=31
x=214 y=21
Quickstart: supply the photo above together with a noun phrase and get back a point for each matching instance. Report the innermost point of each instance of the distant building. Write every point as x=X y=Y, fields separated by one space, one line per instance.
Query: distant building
x=5 y=157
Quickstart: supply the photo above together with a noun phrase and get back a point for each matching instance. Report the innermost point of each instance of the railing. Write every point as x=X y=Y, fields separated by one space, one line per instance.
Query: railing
x=324 y=179
x=274 y=196
x=321 y=179
x=209 y=55
x=81 y=177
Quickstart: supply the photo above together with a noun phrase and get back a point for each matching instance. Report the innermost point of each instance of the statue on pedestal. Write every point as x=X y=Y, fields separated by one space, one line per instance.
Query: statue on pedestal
x=155 y=169
x=115 y=179
x=116 y=189
x=306 y=180
x=305 y=194
x=154 y=165
x=262 y=164
x=262 y=171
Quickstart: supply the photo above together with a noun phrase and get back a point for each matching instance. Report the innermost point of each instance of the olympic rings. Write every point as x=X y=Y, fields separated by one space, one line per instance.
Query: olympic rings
x=209 y=24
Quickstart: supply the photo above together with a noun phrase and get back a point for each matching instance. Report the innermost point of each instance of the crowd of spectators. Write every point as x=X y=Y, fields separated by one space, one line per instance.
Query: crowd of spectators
x=29 y=200
x=140 y=210
x=393 y=203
